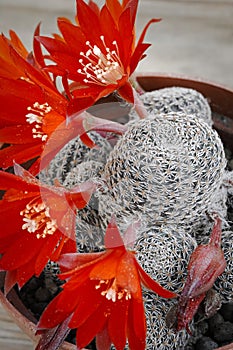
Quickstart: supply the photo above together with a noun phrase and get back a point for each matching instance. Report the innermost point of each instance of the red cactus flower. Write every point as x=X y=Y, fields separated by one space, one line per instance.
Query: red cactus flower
x=31 y=106
x=8 y=68
x=33 y=111
x=37 y=223
x=103 y=296
x=99 y=53
x=207 y=262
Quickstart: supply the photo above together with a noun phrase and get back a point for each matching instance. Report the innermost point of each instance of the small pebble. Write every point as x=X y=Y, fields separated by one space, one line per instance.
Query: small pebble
x=215 y=321
x=33 y=284
x=223 y=332
x=30 y=300
x=227 y=311
x=230 y=216
x=206 y=343
x=202 y=327
x=51 y=285
x=42 y=294
x=230 y=164
x=38 y=308
x=228 y=153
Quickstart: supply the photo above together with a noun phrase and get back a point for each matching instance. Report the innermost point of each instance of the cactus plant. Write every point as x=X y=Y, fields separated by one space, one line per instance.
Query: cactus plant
x=166 y=167
x=176 y=100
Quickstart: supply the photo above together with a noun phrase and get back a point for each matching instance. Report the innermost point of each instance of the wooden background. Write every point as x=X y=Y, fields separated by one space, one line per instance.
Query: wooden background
x=11 y=337
x=194 y=38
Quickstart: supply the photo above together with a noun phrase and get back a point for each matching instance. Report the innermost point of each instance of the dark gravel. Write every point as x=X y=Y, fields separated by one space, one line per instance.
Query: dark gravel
x=206 y=343
x=38 y=292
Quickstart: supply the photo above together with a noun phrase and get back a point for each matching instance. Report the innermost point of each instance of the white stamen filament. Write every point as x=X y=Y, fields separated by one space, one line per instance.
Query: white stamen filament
x=37 y=220
x=35 y=116
x=113 y=293
x=102 y=68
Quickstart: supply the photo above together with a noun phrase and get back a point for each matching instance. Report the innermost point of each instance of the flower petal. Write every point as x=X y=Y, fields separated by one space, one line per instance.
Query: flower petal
x=59 y=309
x=89 y=21
x=138 y=50
x=89 y=300
x=49 y=245
x=94 y=324
x=17 y=43
x=153 y=285
x=112 y=237
x=73 y=35
x=22 y=250
x=10 y=280
x=137 y=325
x=25 y=272
x=76 y=260
x=19 y=154
x=127 y=275
x=126 y=91
x=9 y=181
x=117 y=323
x=115 y=8
x=37 y=48
x=17 y=134
x=8 y=210
x=105 y=269
x=103 y=341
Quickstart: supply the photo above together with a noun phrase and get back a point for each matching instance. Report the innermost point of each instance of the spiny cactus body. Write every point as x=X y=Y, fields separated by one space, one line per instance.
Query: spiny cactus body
x=73 y=154
x=165 y=168
x=74 y=164
x=175 y=100
x=224 y=283
x=164 y=252
x=159 y=335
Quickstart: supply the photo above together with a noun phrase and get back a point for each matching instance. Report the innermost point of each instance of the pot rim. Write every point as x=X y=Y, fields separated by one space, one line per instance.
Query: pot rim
x=218 y=96
x=184 y=78
x=219 y=91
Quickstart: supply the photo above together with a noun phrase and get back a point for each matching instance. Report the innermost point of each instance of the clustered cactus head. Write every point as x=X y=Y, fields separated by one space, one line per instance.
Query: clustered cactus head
x=69 y=163
x=165 y=168
x=176 y=100
x=159 y=334
x=74 y=164
x=164 y=253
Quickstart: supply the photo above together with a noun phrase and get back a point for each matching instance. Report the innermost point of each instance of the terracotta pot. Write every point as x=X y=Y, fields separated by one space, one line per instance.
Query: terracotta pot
x=221 y=101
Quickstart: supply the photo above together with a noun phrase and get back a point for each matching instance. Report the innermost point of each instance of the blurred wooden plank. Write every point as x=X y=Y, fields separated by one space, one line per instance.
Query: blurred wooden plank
x=11 y=336
x=194 y=38
x=16 y=346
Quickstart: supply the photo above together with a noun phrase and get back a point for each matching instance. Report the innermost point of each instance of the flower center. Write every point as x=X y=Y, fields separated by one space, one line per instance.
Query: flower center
x=36 y=117
x=102 y=68
x=36 y=218
x=113 y=292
